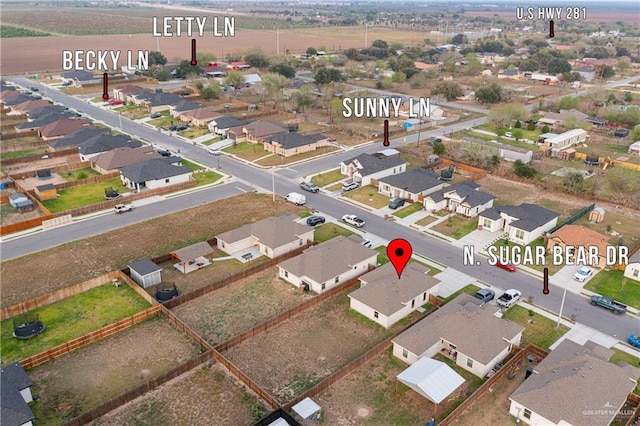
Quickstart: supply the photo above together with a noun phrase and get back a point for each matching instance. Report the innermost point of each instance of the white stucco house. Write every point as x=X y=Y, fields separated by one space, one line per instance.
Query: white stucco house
x=463 y=198
x=322 y=267
x=523 y=223
x=273 y=236
x=574 y=385
x=468 y=333
x=154 y=173
x=632 y=270
x=366 y=167
x=413 y=184
x=385 y=299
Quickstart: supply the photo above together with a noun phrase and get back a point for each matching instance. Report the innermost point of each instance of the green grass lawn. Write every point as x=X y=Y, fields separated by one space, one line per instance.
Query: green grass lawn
x=538 y=242
x=334 y=187
x=412 y=162
x=408 y=210
x=276 y=160
x=305 y=213
x=615 y=284
x=248 y=151
x=129 y=107
x=368 y=195
x=457 y=226
x=327 y=231
x=195 y=132
x=623 y=356
x=72 y=317
x=207 y=177
x=470 y=289
x=539 y=330
x=191 y=165
x=164 y=121
x=324 y=179
x=24 y=153
x=211 y=141
x=82 y=195
x=78 y=174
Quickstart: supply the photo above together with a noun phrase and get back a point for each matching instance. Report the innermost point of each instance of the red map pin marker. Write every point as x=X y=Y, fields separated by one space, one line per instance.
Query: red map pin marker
x=399 y=252
x=386 y=142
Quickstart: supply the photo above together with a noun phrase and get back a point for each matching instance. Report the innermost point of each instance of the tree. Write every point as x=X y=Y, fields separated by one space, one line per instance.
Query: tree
x=604 y=71
x=545 y=129
x=503 y=115
x=185 y=69
x=518 y=124
x=399 y=77
x=157 y=58
x=234 y=78
x=523 y=170
x=449 y=89
x=568 y=102
x=439 y=148
x=635 y=135
x=328 y=75
x=385 y=83
x=623 y=64
x=558 y=66
x=529 y=65
x=380 y=44
x=283 y=69
x=531 y=127
x=628 y=97
x=517 y=134
x=304 y=97
x=205 y=57
x=213 y=91
x=418 y=80
x=311 y=51
x=622 y=51
x=489 y=95
x=573 y=183
x=256 y=58
x=459 y=39
x=161 y=74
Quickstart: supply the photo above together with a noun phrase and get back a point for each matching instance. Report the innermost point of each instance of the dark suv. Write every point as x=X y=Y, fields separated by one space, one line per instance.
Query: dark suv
x=315 y=220
x=398 y=202
x=308 y=186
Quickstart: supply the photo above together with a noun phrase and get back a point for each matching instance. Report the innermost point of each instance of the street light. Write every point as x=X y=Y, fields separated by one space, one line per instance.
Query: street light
x=564 y=294
x=120 y=120
x=273 y=183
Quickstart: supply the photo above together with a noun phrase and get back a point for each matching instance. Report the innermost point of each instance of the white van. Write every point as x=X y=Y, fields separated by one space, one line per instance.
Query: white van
x=295 y=198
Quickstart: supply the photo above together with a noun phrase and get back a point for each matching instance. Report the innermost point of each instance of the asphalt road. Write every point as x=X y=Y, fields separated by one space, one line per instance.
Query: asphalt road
x=433 y=248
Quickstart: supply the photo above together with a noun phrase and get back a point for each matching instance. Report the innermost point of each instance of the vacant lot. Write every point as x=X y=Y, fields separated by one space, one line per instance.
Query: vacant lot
x=240 y=306
x=81 y=260
x=72 y=317
x=203 y=396
x=26 y=169
x=325 y=338
x=75 y=383
x=615 y=284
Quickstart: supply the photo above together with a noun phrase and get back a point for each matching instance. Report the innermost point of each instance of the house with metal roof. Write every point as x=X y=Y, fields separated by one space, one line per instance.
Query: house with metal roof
x=367 y=168
x=574 y=385
x=271 y=237
x=523 y=223
x=431 y=378
x=322 y=267
x=563 y=140
x=413 y=184
x=385 y=298
x=154 y=173
x=466 y=331
x=463 y=198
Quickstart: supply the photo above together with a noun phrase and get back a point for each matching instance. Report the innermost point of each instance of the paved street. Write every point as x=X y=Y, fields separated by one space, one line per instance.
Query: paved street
x=432 y=248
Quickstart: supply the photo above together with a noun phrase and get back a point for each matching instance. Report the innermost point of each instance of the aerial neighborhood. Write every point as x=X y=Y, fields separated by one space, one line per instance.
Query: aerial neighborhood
x=327 y=213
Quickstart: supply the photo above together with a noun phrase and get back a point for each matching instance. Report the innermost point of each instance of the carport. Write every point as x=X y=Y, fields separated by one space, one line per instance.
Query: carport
x=192 y=257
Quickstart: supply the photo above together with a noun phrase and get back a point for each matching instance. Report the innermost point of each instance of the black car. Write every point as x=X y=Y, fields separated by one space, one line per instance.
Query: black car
x=164 y=153
x=433 y=141
x=181 y=128
x=398 y=202
x=155 y=115
x=34 y=89
x=315 y=220
x=173 y=128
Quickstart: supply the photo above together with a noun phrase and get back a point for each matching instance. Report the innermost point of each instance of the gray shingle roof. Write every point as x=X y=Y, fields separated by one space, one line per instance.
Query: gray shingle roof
x=17 y=99
x=45 y=187
x=273 y=231
x=43 y=120
x=413 y=181
x=529 y=216
x=576 y=384
x=14 y=411
x=77 y=137
x=79 y=75
x=466 y=190
x=474 y=329
x=371 y=164
x=493 y=213
x=45 y=110
x=328 y=260
x=144 y=267
x=106 y=142
x=185 y=105
x=387 y=294
x=152 y=170
x=291 y=140
x=226 y=122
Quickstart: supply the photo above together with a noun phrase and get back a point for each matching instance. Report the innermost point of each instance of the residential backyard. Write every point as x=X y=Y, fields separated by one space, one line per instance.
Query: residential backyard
x=82 y=195
x=72 y=317
x=539 y=330
x=368 y=195
x=615 y=284
x=78 y=174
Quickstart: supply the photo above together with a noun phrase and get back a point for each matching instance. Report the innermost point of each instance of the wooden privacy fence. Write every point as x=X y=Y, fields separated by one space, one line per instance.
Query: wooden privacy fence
x=138 y=391
x=182 y=326
x=177 y=301
x=475 y=172
x=25 y=224
x=517 y=358
x=21 y=146
x=31 y=158
x=88 y=338
x=633 y=399
x=87 y=180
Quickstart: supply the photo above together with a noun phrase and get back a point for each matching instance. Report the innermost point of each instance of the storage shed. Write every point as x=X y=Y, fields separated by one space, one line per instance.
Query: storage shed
x=145 y=272
x=596 y=215
x=46 y=192
x=6 y=183
x=21 y=202
x=307 y=409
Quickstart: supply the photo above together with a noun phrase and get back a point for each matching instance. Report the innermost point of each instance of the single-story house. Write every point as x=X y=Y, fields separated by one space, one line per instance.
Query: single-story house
x=564 y=140
x=21 y=202
x=74 y=139
x=39 y=112
x=558 y=118
x=365 y=168
x=632 y=270
x=27 y=106
x=145 y=272
x=574 y=385
x=117 y=158
x=386 y=299
x=81 y=78
x=214 y=71
x=221 y=124
x=586 y=73
x=41 y=121
x=576 y=235
x=181 y=107
x=157 y=102
x=103 y=142
x=597 y=122
x=468 y=333
x=413 y=184
x=511 y=74
x=463 y=198
x=15 y=98
x=288 y=144
x=238 y=66
x=154 y=173
x=198 y=116
x=322 y=267
x=432 y=379
x=259 y=130
x=15 y=396
x=59 y=128
x=523 y=223
x=46 y=192
x=122 y=93
x=274 y=236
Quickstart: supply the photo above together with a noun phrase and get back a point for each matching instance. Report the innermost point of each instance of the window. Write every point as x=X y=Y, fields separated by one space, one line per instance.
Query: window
x=469 y=363
x=385 y=188
x=405 y=353
x=221 y=244
x=519 y=234
x=375 y=314
x=166 y=181
x=486 y=223
x=286 y=274
x=527 y=413
x=300 y=242
x=636 y=272
x=424 y=296
x=413 y=303
x=324 y=285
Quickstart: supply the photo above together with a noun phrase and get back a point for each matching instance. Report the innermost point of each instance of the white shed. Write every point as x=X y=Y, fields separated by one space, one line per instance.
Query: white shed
x=145 y=272
x=307 y=409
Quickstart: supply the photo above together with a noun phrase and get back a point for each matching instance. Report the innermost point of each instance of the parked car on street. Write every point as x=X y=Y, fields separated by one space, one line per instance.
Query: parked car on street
x=583 y=273
x=634 y=340
x=485 y=295
x=608 y=302
x=509 y=298
x=214 y=151
x=398 y=202
x=350 y=186
x=509 y=266
x=295 y=198
x=315 y=220
x=354 y=220
x=121 y=208
x=308 y=186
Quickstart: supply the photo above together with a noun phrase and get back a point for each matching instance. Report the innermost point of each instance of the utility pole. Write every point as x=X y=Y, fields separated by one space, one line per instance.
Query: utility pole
x=365 y=34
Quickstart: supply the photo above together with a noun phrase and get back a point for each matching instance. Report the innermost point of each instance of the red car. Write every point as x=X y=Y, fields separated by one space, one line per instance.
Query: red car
x=115 y=102
x=506 y=265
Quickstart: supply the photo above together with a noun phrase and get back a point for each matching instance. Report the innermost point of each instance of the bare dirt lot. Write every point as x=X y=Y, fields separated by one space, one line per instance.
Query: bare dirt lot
x=81 y=260
x=75 y=383
x=26 y=169
x=201 y=397
x=292 y=357
x=240 y=306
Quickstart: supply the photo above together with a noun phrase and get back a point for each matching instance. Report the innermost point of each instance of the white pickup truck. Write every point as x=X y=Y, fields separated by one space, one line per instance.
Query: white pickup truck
x=121 y=208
